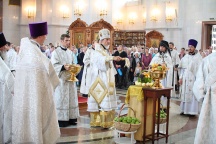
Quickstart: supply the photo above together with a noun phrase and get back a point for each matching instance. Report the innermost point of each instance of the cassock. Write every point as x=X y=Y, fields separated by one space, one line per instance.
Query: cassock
x=188 y=68
x=66 y=98
x=167 y=81
x=176 y=61
x=84 y=88
x=34 y=118
x=12 y=57
x=6 y=93
x=102 y=93
x=204 y=90
x=4 y=56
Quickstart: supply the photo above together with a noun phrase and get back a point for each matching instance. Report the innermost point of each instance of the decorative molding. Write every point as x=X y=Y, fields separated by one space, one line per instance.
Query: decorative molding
x=101 y=24
x=88 y=33
x=153 y=35
x=78 y=23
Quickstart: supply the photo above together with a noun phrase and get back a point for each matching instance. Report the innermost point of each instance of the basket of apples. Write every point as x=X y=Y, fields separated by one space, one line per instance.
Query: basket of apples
x=126 y=123
x=163 y=116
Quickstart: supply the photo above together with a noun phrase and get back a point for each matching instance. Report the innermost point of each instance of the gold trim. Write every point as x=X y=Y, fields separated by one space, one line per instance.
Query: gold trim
x=92 y=90
x=111 y=88
x=106 y=124
x=107 y=118
x=95 y=119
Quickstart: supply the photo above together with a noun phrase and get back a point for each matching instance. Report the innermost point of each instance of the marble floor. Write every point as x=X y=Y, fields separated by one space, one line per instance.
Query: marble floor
x=182 y=128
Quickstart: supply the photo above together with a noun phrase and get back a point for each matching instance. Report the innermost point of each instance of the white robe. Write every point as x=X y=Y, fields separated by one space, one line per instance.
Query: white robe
x=3 y=55
x=101 y=65
x=189 y=65
x=34 y=118
x=85 y=83
x=66 y=98
x=11 y=55
x=205 y=90
x=6 y=93
x=176 y=61
x=167 y=81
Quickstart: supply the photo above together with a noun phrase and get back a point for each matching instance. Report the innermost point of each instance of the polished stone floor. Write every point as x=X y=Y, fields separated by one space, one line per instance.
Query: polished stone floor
x=182 y=128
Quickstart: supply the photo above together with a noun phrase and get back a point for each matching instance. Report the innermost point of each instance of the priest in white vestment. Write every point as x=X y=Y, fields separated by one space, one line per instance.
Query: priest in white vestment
x=188 y=68
x=3 y=54
x=164 y=57
x=102 y=100
x=34 y=118
x=204 y=90
x=6 y=95
x=12 y=56
x=176 y=61
x=85 y=83
x=66 y=98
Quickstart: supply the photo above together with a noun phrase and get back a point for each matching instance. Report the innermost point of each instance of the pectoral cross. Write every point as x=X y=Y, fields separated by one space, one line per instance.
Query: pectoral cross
x=163 y=56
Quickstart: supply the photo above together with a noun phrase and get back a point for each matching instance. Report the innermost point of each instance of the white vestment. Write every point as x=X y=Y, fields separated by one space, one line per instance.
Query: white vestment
x=66 y=97
x=167 y=81
x=11 y=55
x=188 y=66
x=34 y=118
x=176 y=61
x=101 y=65
x=204 y=90
x=3 y=55
x=85 y=83
x=6 y=93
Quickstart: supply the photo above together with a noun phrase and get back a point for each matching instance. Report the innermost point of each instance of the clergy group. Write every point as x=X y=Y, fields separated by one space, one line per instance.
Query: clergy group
x=37 y=97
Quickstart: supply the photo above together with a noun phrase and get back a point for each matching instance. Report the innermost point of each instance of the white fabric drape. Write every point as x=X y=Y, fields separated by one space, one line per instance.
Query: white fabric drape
x=85 y=84
x=6 y=101
x=189 y=65
x=205 y=90
x=66 y=98
x=102 y=67
x=34 y=118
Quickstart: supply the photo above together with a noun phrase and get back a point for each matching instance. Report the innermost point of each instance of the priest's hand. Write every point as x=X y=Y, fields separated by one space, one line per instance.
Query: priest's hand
x=66 y=67
x=180 y=81
x=117 y=58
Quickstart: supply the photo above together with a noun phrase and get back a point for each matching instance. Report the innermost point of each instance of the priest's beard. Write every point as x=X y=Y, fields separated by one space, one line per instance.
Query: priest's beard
x=107 y=47
x=191 y=52
x=162 y=52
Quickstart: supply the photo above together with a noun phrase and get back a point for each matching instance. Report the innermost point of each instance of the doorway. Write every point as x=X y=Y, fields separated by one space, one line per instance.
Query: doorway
x=206 y=37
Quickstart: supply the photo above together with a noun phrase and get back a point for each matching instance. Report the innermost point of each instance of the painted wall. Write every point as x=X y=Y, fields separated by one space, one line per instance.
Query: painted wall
x=190 y=14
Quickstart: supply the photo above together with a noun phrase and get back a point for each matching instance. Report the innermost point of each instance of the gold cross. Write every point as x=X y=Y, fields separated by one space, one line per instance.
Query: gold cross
x=98 y=91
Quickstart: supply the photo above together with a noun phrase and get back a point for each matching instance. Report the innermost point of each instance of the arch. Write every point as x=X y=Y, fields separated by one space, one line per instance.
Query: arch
x=77 y=24
x=101 y=24
x=78 y=33
x=153 y=38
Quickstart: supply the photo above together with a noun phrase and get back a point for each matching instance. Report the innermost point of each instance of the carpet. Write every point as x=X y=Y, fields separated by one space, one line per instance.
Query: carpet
x=82 y=101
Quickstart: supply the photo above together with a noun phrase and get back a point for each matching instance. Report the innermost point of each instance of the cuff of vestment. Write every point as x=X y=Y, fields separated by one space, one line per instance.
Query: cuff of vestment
x=109 y=58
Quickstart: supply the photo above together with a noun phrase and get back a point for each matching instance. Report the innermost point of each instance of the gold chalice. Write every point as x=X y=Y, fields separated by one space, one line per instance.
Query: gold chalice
x=74 y=70
x=157 y=75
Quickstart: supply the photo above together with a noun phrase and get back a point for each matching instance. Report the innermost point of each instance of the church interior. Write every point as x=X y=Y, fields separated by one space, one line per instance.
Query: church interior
x=132 y=23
